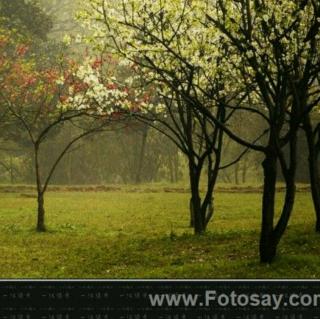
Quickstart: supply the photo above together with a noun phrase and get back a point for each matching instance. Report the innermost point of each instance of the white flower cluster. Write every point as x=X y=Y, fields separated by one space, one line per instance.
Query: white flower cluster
x=93 y=93
x=177 y=42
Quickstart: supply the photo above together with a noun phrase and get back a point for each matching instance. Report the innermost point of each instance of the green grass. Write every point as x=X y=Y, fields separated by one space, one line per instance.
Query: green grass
x=146 y=235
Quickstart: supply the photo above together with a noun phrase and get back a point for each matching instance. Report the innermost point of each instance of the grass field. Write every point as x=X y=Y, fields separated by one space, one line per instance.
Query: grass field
x=145 y=234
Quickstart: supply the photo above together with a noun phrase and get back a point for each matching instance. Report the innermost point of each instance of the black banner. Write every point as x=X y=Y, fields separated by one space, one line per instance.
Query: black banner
x=159 y=299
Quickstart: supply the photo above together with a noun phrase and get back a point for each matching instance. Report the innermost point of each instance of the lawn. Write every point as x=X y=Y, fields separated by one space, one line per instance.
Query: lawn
x=145 y=234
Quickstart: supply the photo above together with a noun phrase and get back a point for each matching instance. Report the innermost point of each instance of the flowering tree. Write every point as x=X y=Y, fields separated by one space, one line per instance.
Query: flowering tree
x=276 y=43
x=41 y=100
x=166 y=44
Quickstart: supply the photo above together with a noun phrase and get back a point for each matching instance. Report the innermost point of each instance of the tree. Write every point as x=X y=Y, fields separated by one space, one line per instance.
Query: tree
x=312 y=132
x=165 y=44
x=40 y=101
x=277 y=49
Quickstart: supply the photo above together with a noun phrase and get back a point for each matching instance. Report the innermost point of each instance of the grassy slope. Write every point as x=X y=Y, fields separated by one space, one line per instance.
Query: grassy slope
x=145 y=235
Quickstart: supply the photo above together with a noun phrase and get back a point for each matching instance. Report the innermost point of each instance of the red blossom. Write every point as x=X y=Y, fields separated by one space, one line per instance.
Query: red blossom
x=80 y=87
x=51 y=75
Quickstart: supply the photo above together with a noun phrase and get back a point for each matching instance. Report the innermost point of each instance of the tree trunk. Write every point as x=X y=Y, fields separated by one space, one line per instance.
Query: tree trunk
x=290 y=178
x=210 y=211
x=195 y=206
x=287 y=208
x=208 y=215
x=270 y=236
x=41 y=213
x=199 y=227
x=267 y=243
x=208 y=203
x=313 y=169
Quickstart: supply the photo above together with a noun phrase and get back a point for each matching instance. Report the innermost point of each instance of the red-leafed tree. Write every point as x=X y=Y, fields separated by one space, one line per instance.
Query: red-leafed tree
x=40 y=100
